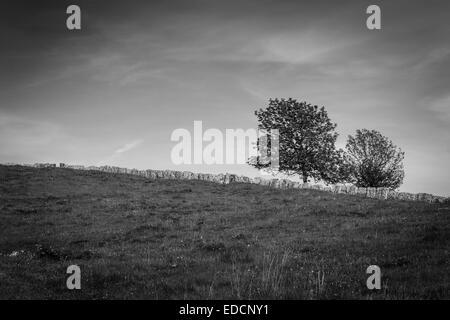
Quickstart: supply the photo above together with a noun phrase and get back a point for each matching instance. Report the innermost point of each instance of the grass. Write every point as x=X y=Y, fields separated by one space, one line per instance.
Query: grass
x=135 y=238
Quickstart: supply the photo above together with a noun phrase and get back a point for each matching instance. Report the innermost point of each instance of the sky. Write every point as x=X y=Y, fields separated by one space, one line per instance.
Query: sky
x=114 y=91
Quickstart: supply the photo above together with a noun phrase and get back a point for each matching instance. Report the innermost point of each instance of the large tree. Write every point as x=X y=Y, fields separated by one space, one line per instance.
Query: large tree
x=374 y=161
x=306 y=140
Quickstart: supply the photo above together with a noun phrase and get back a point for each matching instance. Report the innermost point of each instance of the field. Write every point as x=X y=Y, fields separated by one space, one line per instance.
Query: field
x=135 y=238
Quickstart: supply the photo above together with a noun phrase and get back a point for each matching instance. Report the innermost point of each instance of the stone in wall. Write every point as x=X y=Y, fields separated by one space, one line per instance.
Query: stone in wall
x=44 y=165
x=296 y=185
x=283 y=184
x=206 y=177
x=431 y=198
x=159 y=174
x=290 y=184
x=424 y=197
x=195 y=176
x=410 y=196
x=213 y=178
x=382 y=193
x=76 y=167
x=162 y=174
x=151 y=174
x=177 y=175
x=188 y=175
x=371 y=192
x=238 y=179
x=229 y=178
x=245 y=179
x=392 y=194
x=279 y=184
x=218 y=178
x=274 y=183
x=337 y=188
x=444 y=200
x=438 y=199
x=352 y=190
x=141 y=173
x=405 y=196
x=264 y=182
x=168 y=174
x=361 y=191
x=256 y=180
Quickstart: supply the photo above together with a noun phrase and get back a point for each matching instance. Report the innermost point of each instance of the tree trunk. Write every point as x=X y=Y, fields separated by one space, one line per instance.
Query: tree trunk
x=305 y=177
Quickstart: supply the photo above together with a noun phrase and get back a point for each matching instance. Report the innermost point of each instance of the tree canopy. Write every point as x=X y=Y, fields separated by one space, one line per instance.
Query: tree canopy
x=373 y=160
x=307 y=139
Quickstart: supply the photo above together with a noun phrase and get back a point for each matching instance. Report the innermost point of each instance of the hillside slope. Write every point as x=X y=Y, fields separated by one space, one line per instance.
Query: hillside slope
x=165 y=239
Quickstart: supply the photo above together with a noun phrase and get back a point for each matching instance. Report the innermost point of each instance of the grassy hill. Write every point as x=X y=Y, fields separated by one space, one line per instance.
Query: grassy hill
x=163 y=239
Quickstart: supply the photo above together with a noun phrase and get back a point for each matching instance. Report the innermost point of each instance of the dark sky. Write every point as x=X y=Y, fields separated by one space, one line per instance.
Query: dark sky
x=114 y=91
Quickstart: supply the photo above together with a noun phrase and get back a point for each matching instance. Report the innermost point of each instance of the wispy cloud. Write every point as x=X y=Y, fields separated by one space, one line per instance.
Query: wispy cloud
x=120 y=151
x=20 y=134
x=129 y=146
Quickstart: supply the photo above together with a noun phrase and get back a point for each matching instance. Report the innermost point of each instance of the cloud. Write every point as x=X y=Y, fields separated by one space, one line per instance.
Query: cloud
x=17 y=133
x=129 y=146
x=120 y=151
x=441 y=107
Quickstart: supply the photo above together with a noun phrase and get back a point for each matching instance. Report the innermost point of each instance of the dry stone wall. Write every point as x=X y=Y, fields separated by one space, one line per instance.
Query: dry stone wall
x=377 y=193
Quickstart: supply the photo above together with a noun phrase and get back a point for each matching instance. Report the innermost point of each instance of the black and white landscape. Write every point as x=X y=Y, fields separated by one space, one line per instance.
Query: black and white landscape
x=224 y=149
